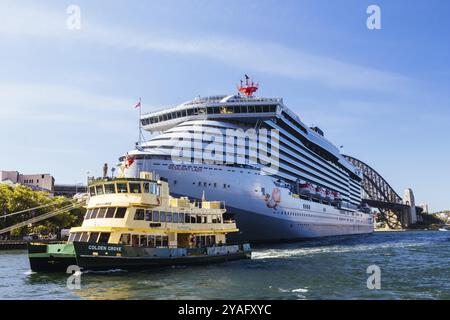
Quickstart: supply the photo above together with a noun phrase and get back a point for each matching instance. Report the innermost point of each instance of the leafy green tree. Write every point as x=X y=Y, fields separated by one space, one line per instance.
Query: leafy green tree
x=19 y=198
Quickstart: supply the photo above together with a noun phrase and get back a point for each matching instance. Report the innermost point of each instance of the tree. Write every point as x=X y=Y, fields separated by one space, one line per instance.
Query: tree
x=19 y=198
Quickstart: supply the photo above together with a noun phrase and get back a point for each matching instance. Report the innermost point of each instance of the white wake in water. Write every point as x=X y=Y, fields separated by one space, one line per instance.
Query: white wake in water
x=298 y=252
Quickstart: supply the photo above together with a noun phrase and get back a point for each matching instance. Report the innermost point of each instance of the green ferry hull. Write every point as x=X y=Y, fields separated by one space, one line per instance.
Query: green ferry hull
x=103 y=257
x=110 y=257
x=51 y=257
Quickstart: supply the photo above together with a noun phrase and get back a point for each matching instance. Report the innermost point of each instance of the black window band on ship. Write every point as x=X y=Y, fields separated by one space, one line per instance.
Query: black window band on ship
x=242 y=109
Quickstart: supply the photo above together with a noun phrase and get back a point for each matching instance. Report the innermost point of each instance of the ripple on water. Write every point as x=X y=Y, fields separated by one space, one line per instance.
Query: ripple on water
x=414 y=265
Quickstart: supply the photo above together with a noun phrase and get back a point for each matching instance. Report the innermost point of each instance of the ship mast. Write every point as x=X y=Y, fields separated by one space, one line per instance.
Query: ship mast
x=248 y=88
x=141 y=137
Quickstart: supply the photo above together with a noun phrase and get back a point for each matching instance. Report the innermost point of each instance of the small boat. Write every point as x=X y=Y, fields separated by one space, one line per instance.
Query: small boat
x=307 y=189
x=443 y=229
x=329 y=195
x=133 y=223
x=320 y=192
x=337 y=196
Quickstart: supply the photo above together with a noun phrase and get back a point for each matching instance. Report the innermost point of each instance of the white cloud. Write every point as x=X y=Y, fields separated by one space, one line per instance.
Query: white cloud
x=26 y=96
x=21 y=104
x=271 y=58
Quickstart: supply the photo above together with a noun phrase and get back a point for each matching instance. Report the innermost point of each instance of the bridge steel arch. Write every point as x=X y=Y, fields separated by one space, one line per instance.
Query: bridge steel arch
x=374 y=186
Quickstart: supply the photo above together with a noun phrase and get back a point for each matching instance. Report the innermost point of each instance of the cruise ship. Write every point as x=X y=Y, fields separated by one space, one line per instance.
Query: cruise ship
x=280 y=179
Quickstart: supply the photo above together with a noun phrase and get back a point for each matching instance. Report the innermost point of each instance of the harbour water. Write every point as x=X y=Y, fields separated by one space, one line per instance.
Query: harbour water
x=414 y=265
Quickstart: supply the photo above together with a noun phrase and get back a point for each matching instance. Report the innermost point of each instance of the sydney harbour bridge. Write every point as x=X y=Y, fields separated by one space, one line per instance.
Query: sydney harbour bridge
x=395 y=211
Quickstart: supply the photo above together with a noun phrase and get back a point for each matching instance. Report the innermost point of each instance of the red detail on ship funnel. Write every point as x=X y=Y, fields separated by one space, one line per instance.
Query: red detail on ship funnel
x=248 y=87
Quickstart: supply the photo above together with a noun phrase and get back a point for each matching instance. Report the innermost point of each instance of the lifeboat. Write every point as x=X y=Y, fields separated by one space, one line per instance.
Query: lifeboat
x=329 y=195
x=321 y=192
x=306 y=188
x=337 y=196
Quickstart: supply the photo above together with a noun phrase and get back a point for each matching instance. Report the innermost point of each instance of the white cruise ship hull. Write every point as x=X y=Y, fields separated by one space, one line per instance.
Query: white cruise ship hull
x=264 y=210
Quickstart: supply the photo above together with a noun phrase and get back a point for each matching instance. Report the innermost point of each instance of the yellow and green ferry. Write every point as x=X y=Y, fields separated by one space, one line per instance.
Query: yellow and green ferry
x=134 y=223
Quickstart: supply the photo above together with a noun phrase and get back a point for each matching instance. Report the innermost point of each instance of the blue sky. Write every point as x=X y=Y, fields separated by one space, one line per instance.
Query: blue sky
x=66 y=97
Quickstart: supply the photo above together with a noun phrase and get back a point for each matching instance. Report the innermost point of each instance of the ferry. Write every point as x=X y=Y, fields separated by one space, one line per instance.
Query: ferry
x=134 y=223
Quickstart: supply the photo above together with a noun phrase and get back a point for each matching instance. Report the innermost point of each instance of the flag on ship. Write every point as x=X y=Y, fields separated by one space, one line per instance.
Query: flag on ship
x=138 y=105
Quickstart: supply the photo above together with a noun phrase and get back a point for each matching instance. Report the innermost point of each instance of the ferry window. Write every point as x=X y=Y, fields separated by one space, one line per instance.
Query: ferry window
x=110 y=188
x=84 y=237
x=94 y=213
x=110 y=213
x=89 y=214
x=155 y=216
x=101 y=213
x=162 y=217
x=139 y=215
x=175 y=217
x=165 y=241
x=77 y=236
x=120 y=213
x=125 y=238
x=71 y=237
x=169 y=217
x=151 y=241
x=122 y=188
x=92 y=191
x=143 y=241
x=146 y=187
x=93 y=237
x=199 y=219
x=158 y=241
x=251 y=109
x=202 y=241
x=135 y=240
x=99 y=190
x=135 y=187
x=148 y=215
